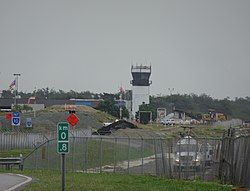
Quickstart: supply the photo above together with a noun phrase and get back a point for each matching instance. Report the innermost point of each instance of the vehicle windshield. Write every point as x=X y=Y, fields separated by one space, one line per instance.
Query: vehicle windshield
x=187 y=148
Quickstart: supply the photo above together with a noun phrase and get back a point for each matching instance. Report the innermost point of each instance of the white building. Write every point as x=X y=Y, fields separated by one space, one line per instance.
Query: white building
x=140 y=86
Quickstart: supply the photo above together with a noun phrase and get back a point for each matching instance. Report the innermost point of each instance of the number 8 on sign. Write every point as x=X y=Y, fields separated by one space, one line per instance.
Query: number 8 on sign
x=63 y=147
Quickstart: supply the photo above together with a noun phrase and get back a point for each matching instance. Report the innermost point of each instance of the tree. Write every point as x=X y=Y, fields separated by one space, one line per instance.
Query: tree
x=110 y=106
x=27 y=108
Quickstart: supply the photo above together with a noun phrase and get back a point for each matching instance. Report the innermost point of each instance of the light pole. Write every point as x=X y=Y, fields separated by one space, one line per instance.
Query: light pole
x=171 y=90
x=16 y=87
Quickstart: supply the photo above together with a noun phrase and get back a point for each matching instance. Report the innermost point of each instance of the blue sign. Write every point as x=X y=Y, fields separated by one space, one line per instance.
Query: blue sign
x=16 y=114
x=29 y=124
x=16 y=119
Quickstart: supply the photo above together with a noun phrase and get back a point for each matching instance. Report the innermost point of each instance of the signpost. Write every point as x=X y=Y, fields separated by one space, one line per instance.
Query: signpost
x=63 y=146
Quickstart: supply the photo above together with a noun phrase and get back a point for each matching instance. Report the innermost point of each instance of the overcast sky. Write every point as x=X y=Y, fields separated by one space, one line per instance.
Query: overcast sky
x=193 y=46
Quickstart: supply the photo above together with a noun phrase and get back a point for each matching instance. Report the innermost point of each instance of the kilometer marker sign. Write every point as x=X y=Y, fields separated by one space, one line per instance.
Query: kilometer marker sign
x=63 y=138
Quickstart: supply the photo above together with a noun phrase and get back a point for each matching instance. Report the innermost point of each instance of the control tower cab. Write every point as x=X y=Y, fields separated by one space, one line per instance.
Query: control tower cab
x=140 y=86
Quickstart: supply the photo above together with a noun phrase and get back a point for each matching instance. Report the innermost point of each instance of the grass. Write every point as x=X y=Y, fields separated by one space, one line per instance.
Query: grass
x=174 y=131
x=14 y=153
x=51 y=180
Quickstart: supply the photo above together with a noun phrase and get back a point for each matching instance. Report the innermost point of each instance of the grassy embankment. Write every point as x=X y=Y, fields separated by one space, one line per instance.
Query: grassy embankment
x=51 y=180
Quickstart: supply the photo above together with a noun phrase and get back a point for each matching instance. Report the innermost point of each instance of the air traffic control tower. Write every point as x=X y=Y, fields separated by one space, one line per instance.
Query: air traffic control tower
x=140 y=89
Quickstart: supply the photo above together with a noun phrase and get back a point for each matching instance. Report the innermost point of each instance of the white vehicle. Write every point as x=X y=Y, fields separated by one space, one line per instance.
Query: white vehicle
x=187 y=154
x=207 y=152
x=168 y=121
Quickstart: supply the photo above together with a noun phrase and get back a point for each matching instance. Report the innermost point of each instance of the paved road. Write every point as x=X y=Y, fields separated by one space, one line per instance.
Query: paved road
x=10 y=182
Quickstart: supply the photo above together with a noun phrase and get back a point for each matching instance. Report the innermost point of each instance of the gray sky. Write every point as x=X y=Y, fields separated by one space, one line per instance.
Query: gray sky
x=193 y=46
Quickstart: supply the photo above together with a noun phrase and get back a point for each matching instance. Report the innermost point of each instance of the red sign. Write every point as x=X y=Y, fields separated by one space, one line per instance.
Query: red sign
x=8 y=115
x=72 y=119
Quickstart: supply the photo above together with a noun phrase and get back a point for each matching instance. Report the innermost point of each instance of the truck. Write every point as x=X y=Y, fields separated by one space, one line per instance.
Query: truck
x=187 y=154
x=212 y=116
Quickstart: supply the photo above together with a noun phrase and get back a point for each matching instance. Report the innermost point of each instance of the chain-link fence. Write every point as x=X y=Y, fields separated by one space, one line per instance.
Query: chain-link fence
x=98 y=154
x=142 y=152
x=22 y=140
x=235 y=155
x=133 y=152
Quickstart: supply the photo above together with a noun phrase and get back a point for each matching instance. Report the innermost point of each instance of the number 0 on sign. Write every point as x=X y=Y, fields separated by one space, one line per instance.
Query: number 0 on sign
x=63 y=138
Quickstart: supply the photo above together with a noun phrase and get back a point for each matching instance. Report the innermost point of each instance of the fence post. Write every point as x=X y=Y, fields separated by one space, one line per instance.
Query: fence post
x=163 y=158
x=86 y=155
x=35 y=156
x=73 y=151
x=114 y=147
x=129 y=145
x=169 y=158
x=142 y=155
x=232 y=157
x=101 y=153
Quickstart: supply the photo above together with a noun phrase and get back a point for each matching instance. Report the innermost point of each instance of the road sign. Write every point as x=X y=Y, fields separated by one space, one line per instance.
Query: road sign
x=16 y=119
x=8 y=115
x=72 y=119
x=29 y=124
x=16 y=114
x=63 y=147
x=63 y=138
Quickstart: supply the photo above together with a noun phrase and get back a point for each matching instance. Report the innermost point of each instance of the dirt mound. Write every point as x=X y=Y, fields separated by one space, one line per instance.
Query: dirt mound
x=121 y=124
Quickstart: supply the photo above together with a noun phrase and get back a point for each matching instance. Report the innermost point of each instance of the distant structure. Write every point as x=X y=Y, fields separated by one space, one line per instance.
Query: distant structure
x=140 y=86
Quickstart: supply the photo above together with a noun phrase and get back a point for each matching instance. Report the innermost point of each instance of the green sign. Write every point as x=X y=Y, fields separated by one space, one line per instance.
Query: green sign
x=63 y=147
x=63 y=138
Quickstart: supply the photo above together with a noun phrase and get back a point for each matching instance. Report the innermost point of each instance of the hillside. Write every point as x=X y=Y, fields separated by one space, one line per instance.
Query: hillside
x=48 y=118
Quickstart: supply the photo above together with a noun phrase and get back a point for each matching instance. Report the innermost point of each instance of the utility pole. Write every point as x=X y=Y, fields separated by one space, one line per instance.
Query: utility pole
x=16 y=87
x=171 y=90
x=121 y=90
x=35 y=105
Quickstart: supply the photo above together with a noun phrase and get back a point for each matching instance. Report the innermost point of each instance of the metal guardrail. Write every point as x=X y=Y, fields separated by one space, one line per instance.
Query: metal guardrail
x=8 y=162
